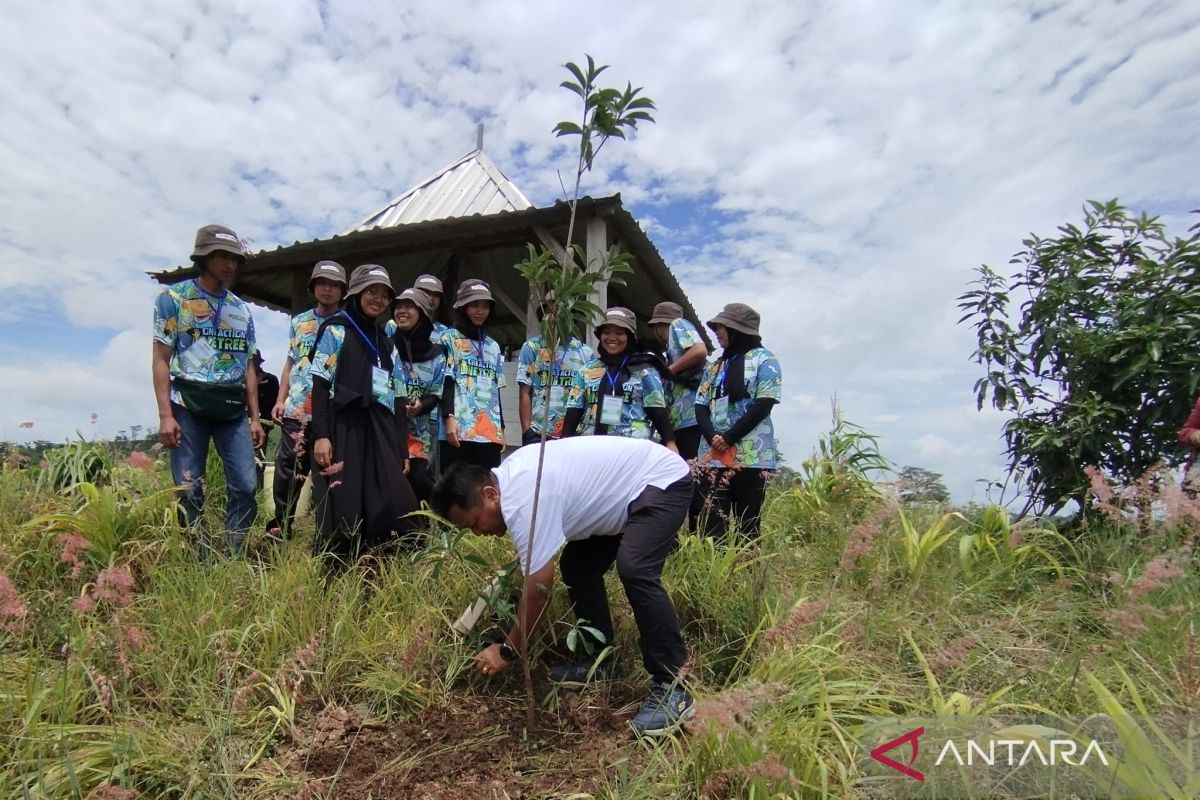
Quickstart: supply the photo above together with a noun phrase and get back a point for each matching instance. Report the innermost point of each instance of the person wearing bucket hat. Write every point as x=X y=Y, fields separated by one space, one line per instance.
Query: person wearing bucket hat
x=206 y=384
x=292 y=409
x=472 y=419
x=419 y=374
x=535 y=369
x=733 y=409
x=685 y=356
x=431 y=285
x=358 y=427
x=620 y=393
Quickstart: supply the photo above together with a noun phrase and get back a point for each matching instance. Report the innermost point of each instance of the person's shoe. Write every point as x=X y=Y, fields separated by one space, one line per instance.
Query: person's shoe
x=585 y=671
x=667 y=708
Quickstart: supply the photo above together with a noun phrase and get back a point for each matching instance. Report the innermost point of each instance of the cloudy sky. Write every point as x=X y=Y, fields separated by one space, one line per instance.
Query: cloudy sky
x=842 y=166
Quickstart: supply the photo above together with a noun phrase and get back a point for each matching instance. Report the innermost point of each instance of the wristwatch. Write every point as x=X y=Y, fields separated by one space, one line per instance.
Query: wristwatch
x=508 y=652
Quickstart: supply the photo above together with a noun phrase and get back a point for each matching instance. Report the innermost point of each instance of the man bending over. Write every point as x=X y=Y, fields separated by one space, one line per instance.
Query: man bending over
x=604 y=500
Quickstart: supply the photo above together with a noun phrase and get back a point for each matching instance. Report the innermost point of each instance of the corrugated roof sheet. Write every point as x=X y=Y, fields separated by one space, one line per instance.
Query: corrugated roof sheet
x=471 y=185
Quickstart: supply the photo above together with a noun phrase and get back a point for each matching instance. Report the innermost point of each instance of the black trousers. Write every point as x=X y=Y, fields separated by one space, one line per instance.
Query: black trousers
x=420 y=478
x=732 y=496
x=485 y=454
x=291 y=470
x=650 y=535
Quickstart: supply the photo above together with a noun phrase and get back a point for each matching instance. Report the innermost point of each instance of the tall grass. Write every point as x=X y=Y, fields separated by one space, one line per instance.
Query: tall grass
x=133 y=664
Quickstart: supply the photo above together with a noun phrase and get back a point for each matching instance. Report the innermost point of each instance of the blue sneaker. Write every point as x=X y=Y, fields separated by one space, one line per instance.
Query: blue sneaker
x=585 y=671
x=667 y=708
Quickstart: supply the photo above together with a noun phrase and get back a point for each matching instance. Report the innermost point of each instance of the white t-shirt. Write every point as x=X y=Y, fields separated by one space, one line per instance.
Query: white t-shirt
x=588 y=483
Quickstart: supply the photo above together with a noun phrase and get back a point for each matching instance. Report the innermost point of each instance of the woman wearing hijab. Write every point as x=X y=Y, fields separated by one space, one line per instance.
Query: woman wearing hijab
x=621 y=392
x=358 y=425
x=472 y=421
x=733 y=410
x=419 y=373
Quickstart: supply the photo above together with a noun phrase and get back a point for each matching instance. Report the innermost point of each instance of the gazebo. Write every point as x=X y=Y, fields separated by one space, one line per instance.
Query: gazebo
x=467 y=221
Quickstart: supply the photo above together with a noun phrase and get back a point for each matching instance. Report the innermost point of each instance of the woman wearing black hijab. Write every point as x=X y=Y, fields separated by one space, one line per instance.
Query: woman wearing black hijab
x=359 y=486
x=621 y=392
x=733 y=410
x=419 y=372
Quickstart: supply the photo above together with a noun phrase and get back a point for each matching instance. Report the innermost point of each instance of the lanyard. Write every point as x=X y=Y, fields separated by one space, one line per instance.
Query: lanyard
x=724 y=369
x=371 y=345
x=612 y=382
x=220 y=304
x=482 y=348
x=553 y=376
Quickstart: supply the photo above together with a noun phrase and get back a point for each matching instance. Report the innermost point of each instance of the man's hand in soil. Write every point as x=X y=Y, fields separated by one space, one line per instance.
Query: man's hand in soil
x=490 y=662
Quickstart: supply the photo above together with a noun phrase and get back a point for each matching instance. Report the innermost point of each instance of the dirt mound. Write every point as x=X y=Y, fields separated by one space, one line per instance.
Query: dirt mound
x=472 y=750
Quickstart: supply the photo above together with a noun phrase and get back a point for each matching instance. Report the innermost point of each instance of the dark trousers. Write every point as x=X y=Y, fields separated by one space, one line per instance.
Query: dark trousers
x=732 y=496
x=639 y=551
x=485 y=454
x=420 y=478
x=291 y=470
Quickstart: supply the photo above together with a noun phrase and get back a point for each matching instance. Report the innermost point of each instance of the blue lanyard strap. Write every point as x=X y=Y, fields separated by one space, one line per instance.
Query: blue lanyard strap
x=220 y=304
x=557 y=365
x=724 y=369
x=612 y=382
x=370 y=345
x=482 y=348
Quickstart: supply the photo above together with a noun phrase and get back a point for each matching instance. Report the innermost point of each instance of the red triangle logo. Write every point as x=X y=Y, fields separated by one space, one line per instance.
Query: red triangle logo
x=910 y=738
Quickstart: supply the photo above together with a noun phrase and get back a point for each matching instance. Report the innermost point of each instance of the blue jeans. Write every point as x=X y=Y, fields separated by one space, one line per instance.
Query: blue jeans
x=188 y=462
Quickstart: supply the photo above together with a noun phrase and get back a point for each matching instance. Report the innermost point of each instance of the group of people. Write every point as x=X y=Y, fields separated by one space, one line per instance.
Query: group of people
x=387 y=407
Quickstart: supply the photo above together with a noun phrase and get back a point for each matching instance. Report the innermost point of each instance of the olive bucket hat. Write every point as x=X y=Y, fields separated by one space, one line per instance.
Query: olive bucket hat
x=418 y=298
x=368 y=275
x=665 y=313
x=330 y=271
x=620 y=317
x=737 y=317
x=428 y=283
x=213 y=238
x=471 y=290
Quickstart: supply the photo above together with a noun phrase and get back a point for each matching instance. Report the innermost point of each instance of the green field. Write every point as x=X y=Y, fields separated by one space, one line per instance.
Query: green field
x=129 y=668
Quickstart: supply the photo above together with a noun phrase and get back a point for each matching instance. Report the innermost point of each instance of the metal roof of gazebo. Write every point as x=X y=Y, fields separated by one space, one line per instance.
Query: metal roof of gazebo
x=466 y=221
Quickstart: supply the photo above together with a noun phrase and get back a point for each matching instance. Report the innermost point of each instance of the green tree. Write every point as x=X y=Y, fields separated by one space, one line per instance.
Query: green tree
x=1091 y=345
x=917 y=485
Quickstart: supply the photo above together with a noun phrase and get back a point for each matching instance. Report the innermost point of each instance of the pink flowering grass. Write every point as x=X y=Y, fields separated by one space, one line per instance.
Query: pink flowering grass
x=13 y=610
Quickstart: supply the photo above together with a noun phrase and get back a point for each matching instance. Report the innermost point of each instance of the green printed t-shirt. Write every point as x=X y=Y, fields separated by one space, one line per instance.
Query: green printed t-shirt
x=211 y=336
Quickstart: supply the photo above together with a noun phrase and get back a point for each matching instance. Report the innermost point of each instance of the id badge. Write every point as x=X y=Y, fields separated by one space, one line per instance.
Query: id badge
x=557 y=396
x=197 y=357
x=611 y=407
x=380 y=382
x=720 y=413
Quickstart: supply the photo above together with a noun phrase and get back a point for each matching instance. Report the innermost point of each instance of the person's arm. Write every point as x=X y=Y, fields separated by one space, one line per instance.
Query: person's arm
x=399 y=409
x=285 y=379
x=571 y=420
x=525 y=405
x=322 y=422
x=1189 y=434
x=756 y=413
x=690 y=358
x=448 y=418
x=534 y=597
x=704 y=422
x=661 y=419
x=169 y=433
x=257 y=435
